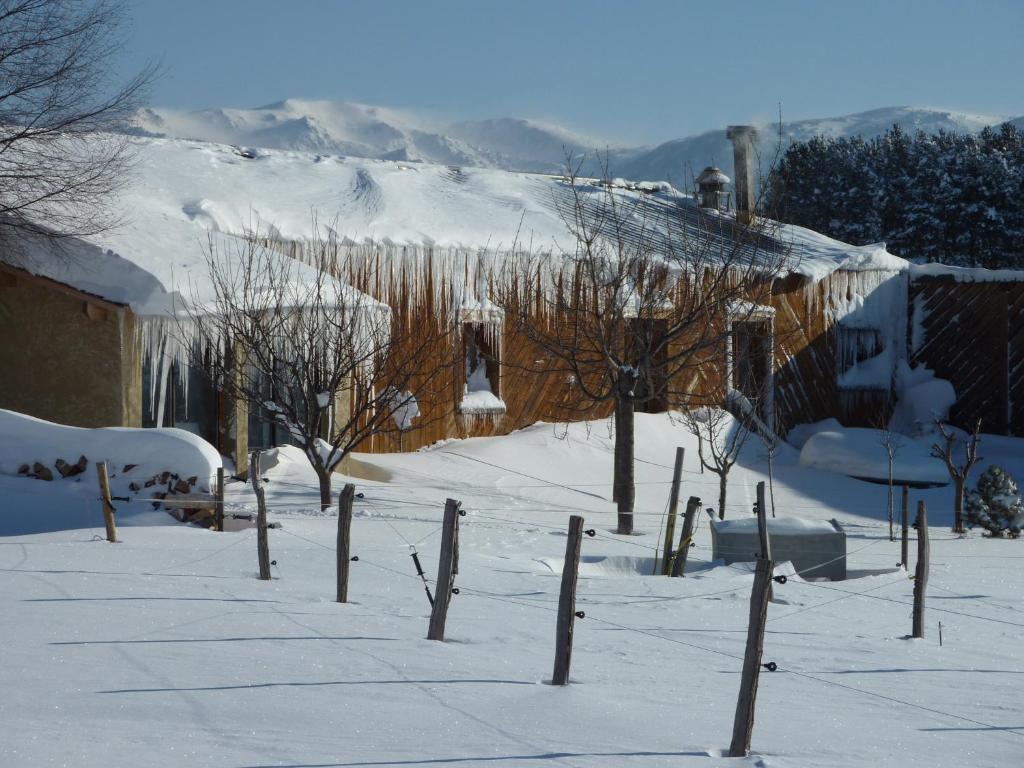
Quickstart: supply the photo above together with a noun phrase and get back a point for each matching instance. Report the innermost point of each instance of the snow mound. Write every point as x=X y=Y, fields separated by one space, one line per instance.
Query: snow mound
x=922 y=399
x=858 y=452
x=801 y=433
x=147 y=452
x=777 y=526
x=605 y=566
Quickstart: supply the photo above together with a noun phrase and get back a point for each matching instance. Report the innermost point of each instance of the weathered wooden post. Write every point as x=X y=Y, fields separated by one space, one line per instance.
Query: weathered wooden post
x=673 y=510
x=262 y=545
x=743 y=724
x=905 y=534
x=689 y=518
x=445 y=571
x=218 y=501
x=921 y=572
x=348 y=494
x=567 y=602
x=108 y=507
x=762 y=533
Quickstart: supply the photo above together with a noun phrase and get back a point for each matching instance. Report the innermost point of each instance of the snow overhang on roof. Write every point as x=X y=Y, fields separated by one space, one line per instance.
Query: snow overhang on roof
x=751 y=311
x=146 y=278
x=966 y=274
x=184 y=192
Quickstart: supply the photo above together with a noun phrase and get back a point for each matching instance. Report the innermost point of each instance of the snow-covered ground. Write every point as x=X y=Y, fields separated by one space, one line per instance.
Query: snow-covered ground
x=165 y=649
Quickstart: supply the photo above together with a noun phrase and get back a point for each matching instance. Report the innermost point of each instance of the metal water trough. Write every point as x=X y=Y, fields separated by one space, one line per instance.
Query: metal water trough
x=817 y=548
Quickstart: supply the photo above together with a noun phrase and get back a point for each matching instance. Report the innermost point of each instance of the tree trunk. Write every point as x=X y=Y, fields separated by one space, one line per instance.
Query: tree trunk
x=722 y=478
x=958 y=505
x=892 y=535
x=324 y=476
x=625 y=491
x=615 y=462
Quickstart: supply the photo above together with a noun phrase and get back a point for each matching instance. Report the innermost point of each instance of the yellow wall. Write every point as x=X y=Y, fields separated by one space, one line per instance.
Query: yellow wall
x=60 y=364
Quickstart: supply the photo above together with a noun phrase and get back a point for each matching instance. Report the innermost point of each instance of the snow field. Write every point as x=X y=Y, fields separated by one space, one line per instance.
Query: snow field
x=166 y=650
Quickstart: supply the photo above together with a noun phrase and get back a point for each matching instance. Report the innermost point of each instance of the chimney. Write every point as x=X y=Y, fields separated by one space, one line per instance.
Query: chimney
x=743 y=138
x=711 y=188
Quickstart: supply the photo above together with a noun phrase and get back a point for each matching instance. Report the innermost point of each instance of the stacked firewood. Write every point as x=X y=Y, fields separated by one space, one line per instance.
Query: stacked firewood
x=166 y=490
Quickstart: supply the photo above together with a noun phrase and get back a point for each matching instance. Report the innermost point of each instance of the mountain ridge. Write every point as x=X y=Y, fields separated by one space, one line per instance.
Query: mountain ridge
x=511 y=143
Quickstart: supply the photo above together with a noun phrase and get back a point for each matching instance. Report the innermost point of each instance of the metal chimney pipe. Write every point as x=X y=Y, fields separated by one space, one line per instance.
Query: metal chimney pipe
x=743 y=138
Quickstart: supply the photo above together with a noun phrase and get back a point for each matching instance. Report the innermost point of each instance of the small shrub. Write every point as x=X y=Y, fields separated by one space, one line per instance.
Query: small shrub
x=996 y=504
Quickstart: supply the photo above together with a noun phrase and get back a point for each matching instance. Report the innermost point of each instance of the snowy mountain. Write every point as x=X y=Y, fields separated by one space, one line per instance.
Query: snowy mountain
x=359 y=130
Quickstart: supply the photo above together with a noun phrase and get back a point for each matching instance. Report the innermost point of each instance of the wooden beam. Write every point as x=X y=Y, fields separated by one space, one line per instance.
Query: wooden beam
x=95 y=312
x=59 y=287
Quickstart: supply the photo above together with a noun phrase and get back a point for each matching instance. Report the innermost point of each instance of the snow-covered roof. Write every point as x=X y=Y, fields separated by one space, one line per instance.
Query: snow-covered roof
x=183 y=190
x=967 y=274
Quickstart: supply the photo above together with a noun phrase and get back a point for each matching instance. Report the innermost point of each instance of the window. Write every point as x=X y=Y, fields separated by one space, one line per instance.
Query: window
x=178 y=396
x=856 y=345
x=752 y=359
x=750 y=366
x=649 y=344
x=481 y=390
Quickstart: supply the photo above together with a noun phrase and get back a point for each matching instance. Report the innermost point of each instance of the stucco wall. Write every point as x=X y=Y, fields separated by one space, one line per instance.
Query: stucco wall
x=61 y=364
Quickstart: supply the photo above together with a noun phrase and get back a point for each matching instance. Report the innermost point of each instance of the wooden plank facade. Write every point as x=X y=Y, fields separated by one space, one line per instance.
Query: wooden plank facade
x=799 y=345
x=972 y=334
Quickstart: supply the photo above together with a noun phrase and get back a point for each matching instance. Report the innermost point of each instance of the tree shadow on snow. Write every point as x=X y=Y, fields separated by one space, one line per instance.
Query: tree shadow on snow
x=315 y=683
x=487 y=759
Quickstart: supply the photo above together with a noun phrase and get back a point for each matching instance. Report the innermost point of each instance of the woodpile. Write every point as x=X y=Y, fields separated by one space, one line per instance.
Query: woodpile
x=169 y=491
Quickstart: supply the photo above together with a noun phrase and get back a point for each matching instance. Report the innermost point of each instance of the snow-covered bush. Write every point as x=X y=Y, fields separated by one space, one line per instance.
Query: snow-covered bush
x=996 y=504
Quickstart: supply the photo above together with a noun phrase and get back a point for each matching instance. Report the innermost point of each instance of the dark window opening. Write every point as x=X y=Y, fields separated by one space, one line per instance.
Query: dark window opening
x=752 y=362
x=481 y=389
x=178 y=395
x=265 y=430
x=650 y=351
x=855 y=345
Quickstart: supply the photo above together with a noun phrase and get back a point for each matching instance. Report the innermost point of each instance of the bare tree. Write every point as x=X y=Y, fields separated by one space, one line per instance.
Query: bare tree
x=316 y=357
x=636 y=314
x=57 y=61
x=958 y=472
x=891 y=441
x=720 y=438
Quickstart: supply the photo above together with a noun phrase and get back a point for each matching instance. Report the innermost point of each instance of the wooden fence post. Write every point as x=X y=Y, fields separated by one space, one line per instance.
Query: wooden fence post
x=445 y=571
x=743 y=724
x=762 y=533
x=108 y=507
x=673 y=510
x=218 y=500
x=262 y=545
x=921 y=572
x=905 y=534
x=348 y=494
x=567 y=602
x=689 y=518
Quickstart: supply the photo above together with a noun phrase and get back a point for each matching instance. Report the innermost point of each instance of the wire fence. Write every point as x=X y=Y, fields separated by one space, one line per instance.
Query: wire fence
x=486 y=516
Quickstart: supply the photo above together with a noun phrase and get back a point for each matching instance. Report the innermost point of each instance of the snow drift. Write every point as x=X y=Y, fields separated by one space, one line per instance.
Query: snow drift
x=146 y=452
x=858 y=452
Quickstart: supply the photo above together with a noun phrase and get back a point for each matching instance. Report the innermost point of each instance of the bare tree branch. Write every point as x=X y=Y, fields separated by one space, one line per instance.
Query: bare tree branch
x=60 y=161
x=639 y=312
x=958 y=472
x=317 y=357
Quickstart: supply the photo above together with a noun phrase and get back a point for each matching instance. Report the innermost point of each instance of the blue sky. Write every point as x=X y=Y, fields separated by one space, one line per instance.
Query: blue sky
x=641 y=71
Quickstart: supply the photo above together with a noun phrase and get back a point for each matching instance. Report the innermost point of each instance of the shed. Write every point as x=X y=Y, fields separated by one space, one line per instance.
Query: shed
x=817 y=548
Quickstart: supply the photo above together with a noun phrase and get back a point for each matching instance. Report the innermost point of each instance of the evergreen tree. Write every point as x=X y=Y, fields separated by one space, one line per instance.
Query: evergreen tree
x=996 y=504
x=944 y=197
